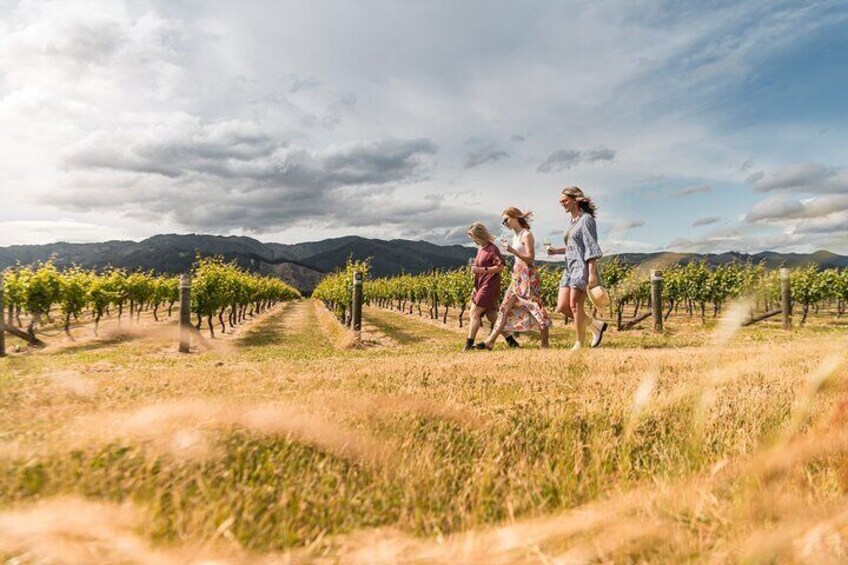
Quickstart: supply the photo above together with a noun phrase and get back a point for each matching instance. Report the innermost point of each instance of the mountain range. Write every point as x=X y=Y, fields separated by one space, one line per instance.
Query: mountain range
x=304 y=264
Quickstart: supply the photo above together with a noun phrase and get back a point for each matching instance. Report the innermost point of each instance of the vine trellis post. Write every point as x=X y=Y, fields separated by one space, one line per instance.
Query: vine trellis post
x=785 y=298
x=356 y=307
x=185 y=313
x=656 y=299
x=2 y=321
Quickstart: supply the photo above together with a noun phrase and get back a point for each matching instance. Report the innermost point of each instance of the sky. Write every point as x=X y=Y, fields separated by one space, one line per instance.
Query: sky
x=695 y=126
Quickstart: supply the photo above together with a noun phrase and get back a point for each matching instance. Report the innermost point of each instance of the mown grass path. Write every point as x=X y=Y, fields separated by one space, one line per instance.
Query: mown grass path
x=411 y=332
x=292 y=333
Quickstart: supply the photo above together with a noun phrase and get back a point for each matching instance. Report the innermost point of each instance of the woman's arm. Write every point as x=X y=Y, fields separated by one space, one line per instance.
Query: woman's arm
x=494 y=269
x=593 y=272
x=556 y=250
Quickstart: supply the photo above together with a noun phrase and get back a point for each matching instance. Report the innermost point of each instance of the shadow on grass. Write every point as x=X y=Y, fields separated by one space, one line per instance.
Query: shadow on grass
x=394 y=331
x=96 y=345
x=268 y=333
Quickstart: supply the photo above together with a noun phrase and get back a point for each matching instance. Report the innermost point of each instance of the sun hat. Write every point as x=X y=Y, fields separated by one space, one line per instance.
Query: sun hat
x=599 y=297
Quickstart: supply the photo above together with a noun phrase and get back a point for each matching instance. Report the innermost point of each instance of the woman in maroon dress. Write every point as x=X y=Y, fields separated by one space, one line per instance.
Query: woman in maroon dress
x=487 y=268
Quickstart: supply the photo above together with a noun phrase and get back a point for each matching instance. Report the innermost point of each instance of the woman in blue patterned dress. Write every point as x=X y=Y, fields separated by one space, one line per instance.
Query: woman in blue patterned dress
x=581 y=264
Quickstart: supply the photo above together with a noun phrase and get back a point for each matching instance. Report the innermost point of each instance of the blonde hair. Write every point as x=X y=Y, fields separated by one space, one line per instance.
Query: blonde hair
x=586 y=204
x=480 y=233
x=524 y=218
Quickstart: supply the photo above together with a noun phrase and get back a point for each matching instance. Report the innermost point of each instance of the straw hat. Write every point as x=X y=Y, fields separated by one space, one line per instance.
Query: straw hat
x=599 y=297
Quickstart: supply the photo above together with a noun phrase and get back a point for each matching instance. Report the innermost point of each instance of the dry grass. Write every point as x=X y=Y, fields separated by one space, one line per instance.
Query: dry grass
x=285 y=447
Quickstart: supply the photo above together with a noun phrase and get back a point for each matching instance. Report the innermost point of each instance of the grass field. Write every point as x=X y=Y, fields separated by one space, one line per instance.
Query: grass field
x=285 y=444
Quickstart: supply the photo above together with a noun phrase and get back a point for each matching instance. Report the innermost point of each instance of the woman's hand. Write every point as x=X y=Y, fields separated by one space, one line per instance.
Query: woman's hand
x=509 y=249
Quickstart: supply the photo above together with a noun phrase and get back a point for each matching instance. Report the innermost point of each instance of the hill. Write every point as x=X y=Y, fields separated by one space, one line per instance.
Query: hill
x=303 y=264
x=824 y=259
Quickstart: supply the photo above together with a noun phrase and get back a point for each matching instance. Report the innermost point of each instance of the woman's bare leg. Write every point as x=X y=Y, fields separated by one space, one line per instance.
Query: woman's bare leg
x=577 y=299
x=476 y=321
x=564 y=302
x=501 y=322
x=544 y=333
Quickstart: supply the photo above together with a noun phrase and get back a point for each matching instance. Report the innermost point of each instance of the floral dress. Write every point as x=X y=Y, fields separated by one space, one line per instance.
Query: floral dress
x=527 y=314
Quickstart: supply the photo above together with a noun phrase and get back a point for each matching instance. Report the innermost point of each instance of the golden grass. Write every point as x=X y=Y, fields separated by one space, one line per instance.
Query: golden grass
x=285 y=447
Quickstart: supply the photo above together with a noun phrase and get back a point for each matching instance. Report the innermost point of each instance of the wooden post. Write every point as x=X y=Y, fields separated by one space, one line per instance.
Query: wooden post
x=785 y=298
x=185 y=314
x=2 y=321
x=656 y=299
x=357 y=305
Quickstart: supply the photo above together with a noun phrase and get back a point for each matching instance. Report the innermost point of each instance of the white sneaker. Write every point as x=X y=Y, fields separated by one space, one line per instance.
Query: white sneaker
x=597 y=329
x=576 y=346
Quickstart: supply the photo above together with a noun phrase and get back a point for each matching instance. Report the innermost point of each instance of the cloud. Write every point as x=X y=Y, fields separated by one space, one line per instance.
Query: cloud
x=299 y=83
x=652 y=179
x=753 y=178
x=183 y=145
x=67 y=60
x=706 y=221
x=485 y=154
x=620 y=228
x=567 y=158
x=754 y=243
x=831 y=224
x=559 y=160
x=781 y=208
x=235 y=175
x=697 y=189
x=34 y=232
x=600 y=154
x=613 y=246
x=806 y=177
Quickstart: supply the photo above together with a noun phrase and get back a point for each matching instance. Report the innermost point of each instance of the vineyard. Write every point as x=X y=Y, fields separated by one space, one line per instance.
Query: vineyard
x=695 y=289
x=38 y=298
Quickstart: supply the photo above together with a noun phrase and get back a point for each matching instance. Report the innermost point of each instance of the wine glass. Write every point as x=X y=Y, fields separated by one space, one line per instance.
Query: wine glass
x=505 y=239
x=547 y=245
x=471 y=261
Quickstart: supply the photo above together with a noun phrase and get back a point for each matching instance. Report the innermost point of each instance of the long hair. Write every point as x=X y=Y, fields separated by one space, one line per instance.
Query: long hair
x=480 y=233
x=523 y=218
x=585 y=203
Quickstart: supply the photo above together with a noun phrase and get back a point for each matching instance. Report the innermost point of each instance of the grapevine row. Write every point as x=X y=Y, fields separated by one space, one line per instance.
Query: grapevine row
x=694 y=287
x=220 y=290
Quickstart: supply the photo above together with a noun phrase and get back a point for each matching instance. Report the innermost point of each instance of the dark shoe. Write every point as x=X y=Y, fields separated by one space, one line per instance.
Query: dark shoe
x=512 y=342
x=597 y=338
x=482 y=346
x=469 y=345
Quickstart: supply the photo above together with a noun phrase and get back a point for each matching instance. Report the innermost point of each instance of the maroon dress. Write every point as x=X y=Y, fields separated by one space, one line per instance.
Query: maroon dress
x=487 y=286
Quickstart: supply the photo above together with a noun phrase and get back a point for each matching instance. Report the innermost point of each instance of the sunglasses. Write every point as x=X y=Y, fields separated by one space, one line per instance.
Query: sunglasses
x=505 y=221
